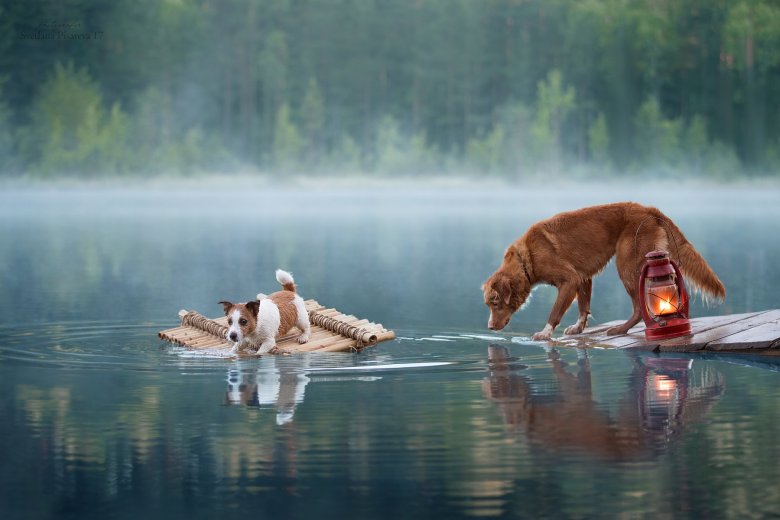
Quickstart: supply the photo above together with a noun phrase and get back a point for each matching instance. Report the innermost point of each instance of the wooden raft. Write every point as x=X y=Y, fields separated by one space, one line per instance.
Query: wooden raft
x=331 y=331
x=753 y=332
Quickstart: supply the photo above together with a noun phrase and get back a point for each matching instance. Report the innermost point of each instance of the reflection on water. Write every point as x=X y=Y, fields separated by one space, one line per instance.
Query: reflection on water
x=589 y=433
x=109 y=421
x=663 y=398
x=280 y=386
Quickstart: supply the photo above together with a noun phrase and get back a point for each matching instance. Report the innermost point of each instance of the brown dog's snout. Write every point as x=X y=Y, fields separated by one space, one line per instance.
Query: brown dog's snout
x=493 y=323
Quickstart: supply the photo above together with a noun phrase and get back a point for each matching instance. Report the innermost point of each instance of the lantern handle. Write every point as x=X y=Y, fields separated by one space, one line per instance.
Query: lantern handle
x=668 y=232
x=641 y=295
x=683 y=293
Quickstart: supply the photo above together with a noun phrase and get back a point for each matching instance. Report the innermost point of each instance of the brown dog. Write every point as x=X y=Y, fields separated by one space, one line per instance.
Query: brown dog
x=569 y=249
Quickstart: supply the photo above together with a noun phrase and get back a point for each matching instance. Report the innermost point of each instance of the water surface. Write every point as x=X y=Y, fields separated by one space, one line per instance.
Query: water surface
x=101 y=419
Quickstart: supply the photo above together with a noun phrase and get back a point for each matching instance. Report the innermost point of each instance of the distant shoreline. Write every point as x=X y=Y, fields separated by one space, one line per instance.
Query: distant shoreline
x=260 y=180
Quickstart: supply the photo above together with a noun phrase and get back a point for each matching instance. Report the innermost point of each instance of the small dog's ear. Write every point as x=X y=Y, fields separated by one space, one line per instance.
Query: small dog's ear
x=226 y=305
x=253 y=306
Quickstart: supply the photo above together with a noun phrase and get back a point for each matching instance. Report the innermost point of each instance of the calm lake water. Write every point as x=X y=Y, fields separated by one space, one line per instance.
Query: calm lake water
x=99 y=418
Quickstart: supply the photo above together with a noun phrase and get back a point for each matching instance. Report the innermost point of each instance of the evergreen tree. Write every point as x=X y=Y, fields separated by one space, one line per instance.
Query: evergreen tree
x=553 y=106
x=70 y=131
x=287 y=140
x=290 y=82
x=313 y=122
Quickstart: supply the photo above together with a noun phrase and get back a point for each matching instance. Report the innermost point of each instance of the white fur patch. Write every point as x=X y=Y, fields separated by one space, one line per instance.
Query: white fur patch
x=268 y=321
x=234 y=328
x=303 y=319
x=578 y=326
x=544 y=334
x=283 y=277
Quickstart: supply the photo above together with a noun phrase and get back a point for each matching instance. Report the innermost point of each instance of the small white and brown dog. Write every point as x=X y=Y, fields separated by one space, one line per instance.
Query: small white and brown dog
x=258 y=323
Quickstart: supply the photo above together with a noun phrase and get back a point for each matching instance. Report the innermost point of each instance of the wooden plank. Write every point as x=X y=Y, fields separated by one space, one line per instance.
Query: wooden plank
x=599 y=329
x=705 y=329
x=708 y=331
x=635 y=336
x=766 y=336
x=597 y=336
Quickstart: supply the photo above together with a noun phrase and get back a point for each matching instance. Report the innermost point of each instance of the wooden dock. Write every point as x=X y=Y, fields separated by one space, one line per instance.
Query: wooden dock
x=753 y=332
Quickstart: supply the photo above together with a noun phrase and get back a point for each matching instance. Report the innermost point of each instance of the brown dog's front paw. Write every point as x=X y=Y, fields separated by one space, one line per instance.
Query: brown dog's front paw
x=573 y=329
x=542 y=335
x=545 y=334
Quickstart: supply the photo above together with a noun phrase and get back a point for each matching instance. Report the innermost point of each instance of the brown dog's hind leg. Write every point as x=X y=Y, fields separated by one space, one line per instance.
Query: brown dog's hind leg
x=635 y=316
x=623 y=329
x=628 y=260
x=583 y=303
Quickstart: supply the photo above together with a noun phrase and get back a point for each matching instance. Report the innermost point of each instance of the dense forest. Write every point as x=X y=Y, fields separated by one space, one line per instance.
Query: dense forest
x=493 y=87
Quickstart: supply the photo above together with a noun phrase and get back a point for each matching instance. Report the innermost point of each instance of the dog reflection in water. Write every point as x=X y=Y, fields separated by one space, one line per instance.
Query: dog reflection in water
x=273 y=384
x=662 y=399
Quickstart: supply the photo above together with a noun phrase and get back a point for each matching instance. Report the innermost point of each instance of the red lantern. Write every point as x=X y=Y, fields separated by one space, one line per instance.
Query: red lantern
x=663 y=298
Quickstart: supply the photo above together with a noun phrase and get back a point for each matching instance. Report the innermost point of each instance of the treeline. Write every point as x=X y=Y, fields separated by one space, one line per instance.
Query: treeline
x=501 y=87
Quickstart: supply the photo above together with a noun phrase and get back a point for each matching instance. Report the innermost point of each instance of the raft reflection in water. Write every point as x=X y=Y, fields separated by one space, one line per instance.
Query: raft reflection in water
x=663 y=398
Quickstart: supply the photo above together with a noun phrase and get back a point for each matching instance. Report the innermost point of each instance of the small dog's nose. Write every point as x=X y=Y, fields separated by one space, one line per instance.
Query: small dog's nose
x=233 y=336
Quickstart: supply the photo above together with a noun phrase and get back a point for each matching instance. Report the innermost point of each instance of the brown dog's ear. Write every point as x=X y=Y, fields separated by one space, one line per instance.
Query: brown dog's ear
x=253 y=306
x=505 y=290
x=226 y=305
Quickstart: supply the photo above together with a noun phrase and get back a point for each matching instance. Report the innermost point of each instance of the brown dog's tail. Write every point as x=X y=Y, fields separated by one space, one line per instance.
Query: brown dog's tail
x=696 y=270
x=286 y=279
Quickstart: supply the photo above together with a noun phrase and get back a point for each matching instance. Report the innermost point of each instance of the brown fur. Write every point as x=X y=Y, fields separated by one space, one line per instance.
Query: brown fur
x=569 y=249
x=248 y=313
x=253 y=332
x=287 y=312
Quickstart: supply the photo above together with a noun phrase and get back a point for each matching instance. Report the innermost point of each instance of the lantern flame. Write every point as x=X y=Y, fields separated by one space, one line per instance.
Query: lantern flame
x=663 y=300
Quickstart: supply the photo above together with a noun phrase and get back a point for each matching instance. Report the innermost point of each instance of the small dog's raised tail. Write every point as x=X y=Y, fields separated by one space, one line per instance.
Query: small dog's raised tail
x=286 y=279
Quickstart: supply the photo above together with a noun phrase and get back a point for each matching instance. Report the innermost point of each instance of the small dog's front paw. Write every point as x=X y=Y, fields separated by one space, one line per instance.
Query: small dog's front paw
x=303 y=338
x=266 y=348
x=616 y=331
x=542 y=335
